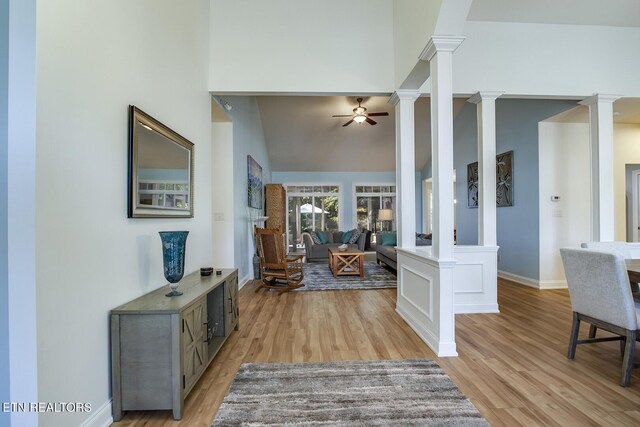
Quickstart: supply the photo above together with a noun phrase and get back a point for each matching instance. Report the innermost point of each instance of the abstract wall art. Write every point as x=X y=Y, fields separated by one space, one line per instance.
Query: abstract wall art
x=255 y=183
x=504 y=181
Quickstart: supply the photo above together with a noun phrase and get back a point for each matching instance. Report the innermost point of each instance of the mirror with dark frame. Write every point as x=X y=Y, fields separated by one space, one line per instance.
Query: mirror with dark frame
x=160 y=169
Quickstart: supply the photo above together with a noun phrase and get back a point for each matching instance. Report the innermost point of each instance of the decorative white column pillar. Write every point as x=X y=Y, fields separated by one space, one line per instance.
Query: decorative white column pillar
x=601 y=145
x=405 y=166
x=439 y=53
x=486 y=112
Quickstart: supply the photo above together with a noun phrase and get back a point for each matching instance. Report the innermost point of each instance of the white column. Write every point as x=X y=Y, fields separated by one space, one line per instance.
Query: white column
x=439 y=53
x=601 y=144
x=486 y=112
x=405 y=166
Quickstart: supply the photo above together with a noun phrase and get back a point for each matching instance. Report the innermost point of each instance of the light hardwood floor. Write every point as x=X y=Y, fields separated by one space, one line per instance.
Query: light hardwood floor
x=512 y=365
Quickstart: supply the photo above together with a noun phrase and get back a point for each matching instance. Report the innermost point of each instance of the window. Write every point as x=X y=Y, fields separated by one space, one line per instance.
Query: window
x=311 y=207
x=369 y=199
x=163 y=194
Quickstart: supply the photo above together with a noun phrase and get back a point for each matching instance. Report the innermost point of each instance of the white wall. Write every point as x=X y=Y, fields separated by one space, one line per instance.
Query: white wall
x=541 y=59
x=302 y=46
x=627 y=151
x=564 y=172
x=414 y=21
x=94 y=59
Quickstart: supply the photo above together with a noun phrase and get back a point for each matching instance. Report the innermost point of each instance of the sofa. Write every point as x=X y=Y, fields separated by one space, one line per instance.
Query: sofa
x=320 y=252
x=387 y=253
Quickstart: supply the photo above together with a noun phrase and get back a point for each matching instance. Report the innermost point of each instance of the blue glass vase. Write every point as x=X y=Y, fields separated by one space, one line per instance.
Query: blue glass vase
x=173 y=247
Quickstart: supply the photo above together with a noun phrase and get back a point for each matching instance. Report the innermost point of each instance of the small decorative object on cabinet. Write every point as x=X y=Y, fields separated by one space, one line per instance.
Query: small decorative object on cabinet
x=160 y=347
x=276 y=206
x=173 y=247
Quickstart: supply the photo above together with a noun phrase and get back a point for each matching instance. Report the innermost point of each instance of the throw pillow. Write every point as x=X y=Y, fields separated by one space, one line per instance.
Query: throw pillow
x=322 y=235
x=389 y=239
x=346 y=236
x=314 y=238
x=355 y=235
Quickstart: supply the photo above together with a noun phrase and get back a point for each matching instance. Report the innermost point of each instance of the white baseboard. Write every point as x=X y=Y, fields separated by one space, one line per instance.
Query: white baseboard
x=533 y=283
x=246 y=279
x=101 y=417
x=476 y=308
x=553 y=284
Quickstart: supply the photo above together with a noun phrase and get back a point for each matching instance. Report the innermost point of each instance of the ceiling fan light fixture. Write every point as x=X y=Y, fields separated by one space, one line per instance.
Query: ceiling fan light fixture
x=360 y=118
x=360 y=115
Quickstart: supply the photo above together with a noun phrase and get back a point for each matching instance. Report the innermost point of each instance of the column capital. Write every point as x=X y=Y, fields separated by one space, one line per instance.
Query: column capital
x=440 y=44
x=484 y=96
x=597 y=98
x=403 y=94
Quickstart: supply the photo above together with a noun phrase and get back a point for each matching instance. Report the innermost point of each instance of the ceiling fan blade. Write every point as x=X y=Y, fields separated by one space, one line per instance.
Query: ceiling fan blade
x=371 y=122
x=348 y=123
x=378 y=114
x=343 y=115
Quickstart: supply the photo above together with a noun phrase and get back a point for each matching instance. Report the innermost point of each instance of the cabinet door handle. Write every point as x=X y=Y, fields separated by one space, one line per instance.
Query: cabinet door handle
x=206 y=331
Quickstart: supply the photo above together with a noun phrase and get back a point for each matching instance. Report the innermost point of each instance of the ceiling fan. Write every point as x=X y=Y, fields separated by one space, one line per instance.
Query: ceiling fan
x=360 y=115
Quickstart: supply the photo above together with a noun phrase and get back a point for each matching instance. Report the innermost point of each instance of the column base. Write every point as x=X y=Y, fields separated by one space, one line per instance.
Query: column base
x=425 y=299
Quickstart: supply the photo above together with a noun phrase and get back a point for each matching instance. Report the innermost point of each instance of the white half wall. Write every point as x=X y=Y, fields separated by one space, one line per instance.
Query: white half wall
x=475 y=279
x=423 y=303
x=563 y=150
x=305 y=46
x=94 y=59
x=428 y=307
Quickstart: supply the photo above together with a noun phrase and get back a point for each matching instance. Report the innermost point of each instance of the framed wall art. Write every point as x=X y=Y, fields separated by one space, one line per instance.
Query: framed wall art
x=504 y=181
x=254 y=172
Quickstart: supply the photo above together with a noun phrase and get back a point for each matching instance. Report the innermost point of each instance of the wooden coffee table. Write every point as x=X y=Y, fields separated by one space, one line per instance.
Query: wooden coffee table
x=347 y=263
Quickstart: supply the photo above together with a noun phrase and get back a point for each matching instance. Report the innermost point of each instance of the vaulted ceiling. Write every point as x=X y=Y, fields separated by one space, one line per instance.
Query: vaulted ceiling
x=301 y=135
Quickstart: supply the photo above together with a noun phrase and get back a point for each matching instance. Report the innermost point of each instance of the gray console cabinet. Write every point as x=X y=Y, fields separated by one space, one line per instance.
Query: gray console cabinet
x=160 y=346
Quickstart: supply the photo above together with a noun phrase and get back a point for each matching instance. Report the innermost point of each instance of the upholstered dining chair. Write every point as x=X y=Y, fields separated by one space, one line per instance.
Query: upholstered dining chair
x=278 y=270
x=623 y=249
x=601 y=295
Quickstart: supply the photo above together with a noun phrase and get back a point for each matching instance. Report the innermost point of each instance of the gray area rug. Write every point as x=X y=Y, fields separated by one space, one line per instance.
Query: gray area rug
x=360 y=393
x=318 y=277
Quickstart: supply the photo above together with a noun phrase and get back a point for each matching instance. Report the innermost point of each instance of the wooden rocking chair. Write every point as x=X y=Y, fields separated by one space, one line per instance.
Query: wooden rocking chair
x=279 y=270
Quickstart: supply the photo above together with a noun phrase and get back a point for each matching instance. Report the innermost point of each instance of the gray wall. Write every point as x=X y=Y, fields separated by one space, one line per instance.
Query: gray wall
x=518 y=225
x=629 y=168
x=248 y=139
x=4 y=281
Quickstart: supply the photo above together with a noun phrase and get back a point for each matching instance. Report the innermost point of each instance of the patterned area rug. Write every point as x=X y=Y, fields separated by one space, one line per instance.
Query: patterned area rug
x=372 y=393
x=318 y=277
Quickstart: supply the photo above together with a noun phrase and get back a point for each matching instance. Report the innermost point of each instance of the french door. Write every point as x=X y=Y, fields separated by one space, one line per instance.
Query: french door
x=311 y=207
